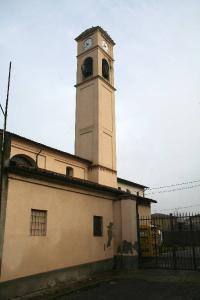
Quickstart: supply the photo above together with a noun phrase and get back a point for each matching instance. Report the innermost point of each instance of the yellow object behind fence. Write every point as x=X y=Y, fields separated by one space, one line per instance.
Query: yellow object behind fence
x=149 y=240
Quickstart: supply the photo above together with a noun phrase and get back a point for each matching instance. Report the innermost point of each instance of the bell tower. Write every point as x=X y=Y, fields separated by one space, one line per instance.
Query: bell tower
x=95 y=137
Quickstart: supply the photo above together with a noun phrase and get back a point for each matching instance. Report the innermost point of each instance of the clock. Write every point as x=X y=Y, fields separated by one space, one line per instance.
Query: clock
x=87 y=44
x=104 y=46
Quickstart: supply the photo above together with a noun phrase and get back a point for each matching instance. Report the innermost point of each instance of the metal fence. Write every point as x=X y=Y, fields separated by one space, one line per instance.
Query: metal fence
x=169 y=241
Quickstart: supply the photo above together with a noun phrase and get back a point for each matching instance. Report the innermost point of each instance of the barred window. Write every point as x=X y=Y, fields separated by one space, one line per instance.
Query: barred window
x=38 y=222
x=97 y=226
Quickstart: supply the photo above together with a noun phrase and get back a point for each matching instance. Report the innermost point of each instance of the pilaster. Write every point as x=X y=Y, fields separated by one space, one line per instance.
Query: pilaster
x=126 y=244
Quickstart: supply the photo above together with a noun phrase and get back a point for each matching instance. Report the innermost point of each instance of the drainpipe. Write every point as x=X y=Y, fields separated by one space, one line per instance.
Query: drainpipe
x=5 y=113
x=37 y=156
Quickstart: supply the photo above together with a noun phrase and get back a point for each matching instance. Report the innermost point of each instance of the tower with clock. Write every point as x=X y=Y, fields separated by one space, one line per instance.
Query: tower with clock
x=95 y=137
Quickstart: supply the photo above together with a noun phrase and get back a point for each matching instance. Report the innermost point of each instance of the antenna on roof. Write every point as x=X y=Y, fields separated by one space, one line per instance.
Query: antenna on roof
x=5 y=113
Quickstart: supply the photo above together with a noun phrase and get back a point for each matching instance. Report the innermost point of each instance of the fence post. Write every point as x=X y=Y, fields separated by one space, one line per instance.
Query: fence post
x=138 y=234
x=192 y=244
x=154 y=230
x=173 y=248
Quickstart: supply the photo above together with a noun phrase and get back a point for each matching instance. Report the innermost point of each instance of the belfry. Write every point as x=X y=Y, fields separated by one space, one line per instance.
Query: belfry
x=95 y=137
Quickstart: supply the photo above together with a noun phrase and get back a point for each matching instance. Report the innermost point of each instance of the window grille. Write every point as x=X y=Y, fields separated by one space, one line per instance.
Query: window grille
x=97 y=226
x=38 y=222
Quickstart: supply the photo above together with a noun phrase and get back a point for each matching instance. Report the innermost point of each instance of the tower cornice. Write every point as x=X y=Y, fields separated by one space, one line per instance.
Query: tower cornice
x=95 y=77
x=91 y=30
x=101 y=167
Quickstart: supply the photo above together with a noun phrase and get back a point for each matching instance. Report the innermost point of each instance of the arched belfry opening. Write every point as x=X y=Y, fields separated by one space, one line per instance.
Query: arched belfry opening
x=105 y=69
x=87 y=67
x=23 y=160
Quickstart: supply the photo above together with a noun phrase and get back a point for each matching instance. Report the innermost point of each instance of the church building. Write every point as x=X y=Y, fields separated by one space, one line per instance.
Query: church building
x=65 y=216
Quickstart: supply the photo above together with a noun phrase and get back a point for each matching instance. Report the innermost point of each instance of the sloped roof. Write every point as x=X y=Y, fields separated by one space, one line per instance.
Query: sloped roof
x=131 y=183
x=62 y=179
x=58 y=178
x=160 y=215
x=43 y=146
x=92 y=29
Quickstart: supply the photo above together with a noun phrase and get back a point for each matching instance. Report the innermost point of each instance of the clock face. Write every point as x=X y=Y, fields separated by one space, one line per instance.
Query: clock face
x=87 y=44
x=104 y=46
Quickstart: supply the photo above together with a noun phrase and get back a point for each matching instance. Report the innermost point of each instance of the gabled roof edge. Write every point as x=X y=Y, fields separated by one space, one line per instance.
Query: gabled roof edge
x=48 y=147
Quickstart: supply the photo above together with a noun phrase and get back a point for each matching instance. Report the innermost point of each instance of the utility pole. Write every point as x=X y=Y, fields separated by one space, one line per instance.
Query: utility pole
x=5 y=113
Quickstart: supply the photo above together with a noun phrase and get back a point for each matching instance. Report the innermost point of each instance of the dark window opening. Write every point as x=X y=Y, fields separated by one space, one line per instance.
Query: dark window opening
x=105 y=69
x=23 y=160
x=69 y=171
x=97 y=226
x=38 y=222
x=87 y=67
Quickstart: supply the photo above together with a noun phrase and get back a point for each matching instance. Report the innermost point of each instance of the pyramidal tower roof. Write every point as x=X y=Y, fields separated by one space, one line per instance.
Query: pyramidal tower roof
x=92 y=29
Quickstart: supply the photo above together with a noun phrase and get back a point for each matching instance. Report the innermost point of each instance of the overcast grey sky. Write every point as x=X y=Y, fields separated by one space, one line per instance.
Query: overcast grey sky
x=157 y=76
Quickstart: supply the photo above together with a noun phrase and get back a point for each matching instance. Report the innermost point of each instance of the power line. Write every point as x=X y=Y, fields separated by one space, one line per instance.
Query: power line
x=176 y=208
x=171 y=185
x=174 y=190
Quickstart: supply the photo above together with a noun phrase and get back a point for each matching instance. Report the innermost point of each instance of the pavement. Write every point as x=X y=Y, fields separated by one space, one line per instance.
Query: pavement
x=125 y=285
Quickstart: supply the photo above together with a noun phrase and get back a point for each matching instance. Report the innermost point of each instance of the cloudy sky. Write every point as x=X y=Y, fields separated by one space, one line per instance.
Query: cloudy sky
x=157 y=76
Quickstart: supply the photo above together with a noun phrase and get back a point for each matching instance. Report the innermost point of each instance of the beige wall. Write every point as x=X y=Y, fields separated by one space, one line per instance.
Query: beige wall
x=69 y=240
x=133 y=190
x=50 y=159
x=129 y=222
x=125 y=224
x=102 y=175
x=144 y=211
x=107 y=177
x=117 y=230
x=86 y=141
x=107 y=140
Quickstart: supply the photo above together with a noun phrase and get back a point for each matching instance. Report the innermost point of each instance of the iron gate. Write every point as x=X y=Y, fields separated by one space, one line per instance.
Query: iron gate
x=169 y=242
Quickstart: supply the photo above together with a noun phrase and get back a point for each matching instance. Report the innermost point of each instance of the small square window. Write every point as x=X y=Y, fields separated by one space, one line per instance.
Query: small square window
x=97 y=226
x=38 y=222
x=69 y=171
